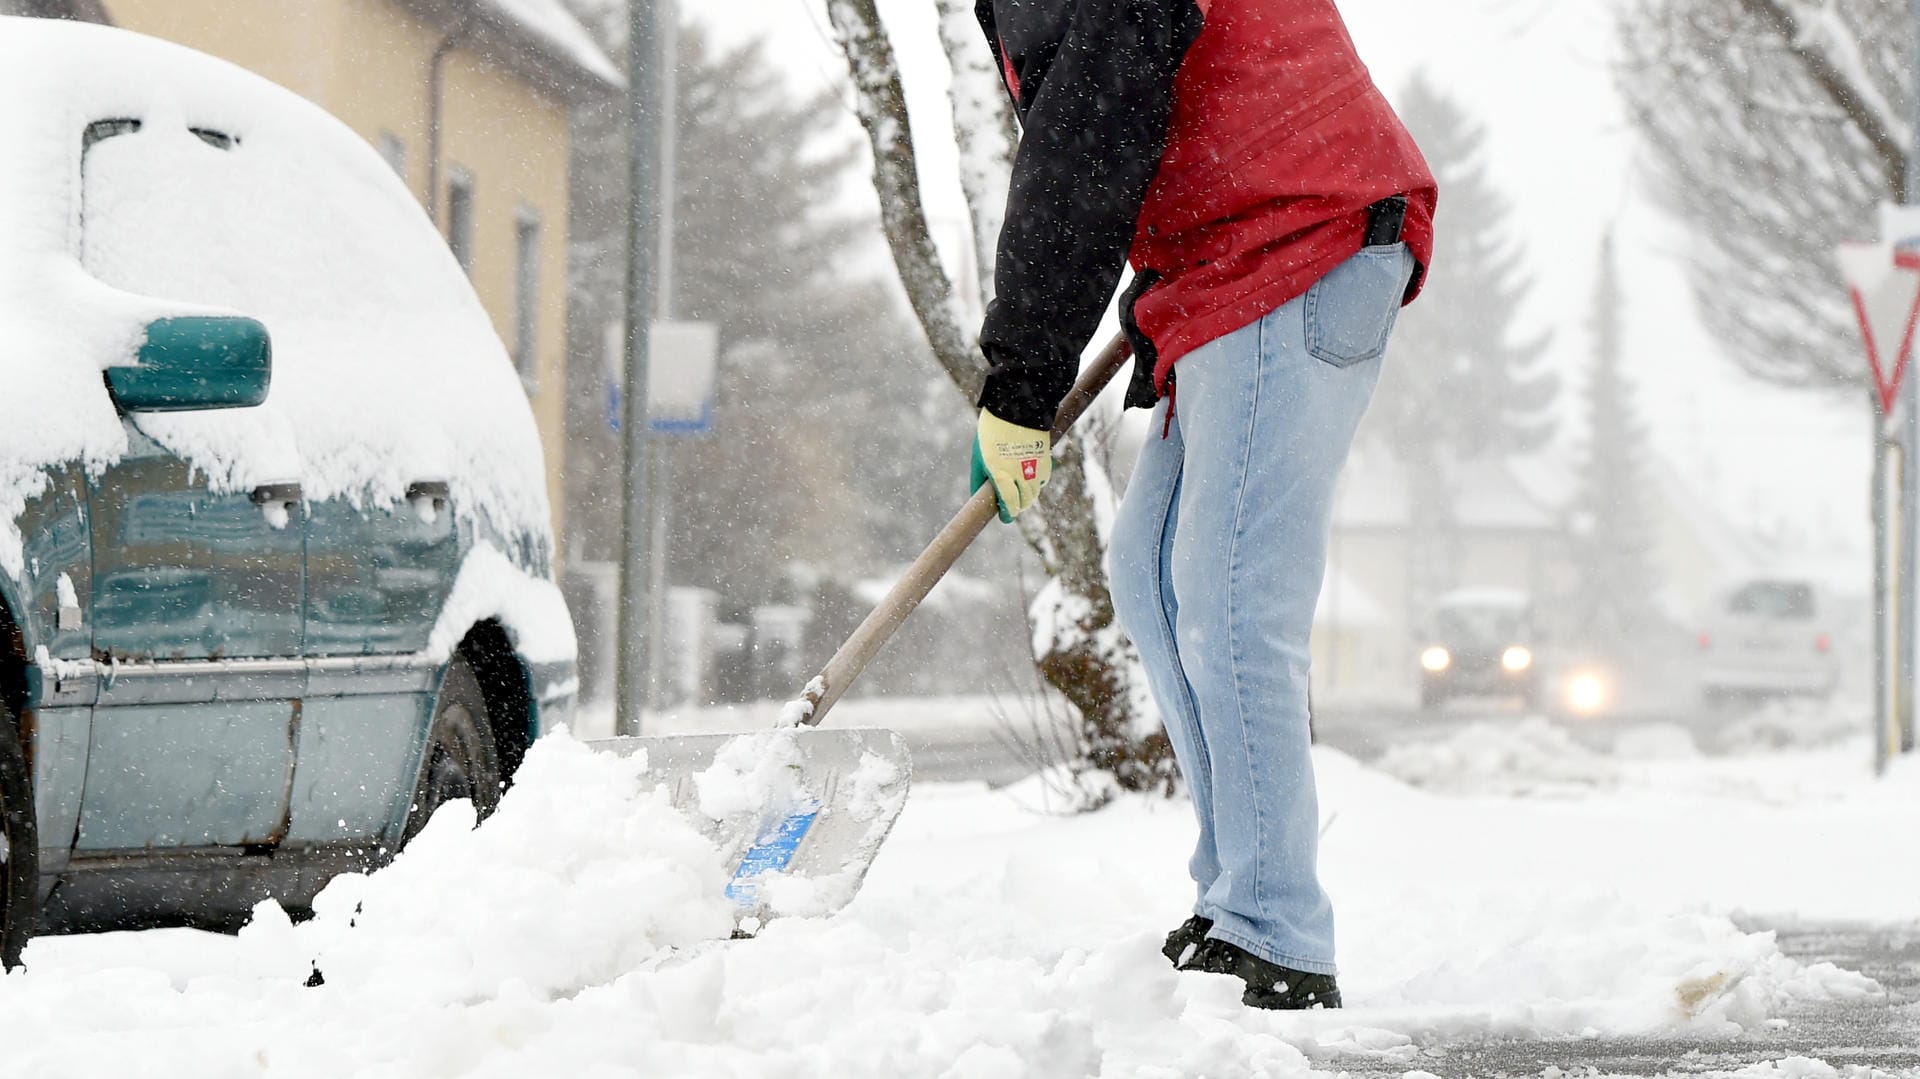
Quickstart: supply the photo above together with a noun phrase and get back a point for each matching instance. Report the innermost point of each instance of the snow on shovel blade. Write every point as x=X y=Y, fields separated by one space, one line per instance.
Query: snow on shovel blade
x=799 y=813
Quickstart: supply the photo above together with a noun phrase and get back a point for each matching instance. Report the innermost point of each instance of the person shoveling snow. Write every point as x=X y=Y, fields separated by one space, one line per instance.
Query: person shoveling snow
x=1277 y=215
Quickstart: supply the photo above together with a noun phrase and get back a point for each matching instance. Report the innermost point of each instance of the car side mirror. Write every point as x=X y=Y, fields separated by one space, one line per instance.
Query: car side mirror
x=196 y=362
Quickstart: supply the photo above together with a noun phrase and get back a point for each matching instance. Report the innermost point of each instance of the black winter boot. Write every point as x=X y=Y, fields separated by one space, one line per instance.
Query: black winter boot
x=1182 y=941
x=1269 y=985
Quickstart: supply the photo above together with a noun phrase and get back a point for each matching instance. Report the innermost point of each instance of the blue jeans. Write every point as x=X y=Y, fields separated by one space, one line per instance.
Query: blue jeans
x=1216 y=560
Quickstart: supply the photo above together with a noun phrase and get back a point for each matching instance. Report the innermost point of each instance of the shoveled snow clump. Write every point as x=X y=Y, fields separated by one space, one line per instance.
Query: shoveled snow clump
x=583 y=874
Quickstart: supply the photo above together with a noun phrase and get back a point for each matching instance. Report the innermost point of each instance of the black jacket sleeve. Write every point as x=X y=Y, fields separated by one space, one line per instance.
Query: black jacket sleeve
x=1093 y=85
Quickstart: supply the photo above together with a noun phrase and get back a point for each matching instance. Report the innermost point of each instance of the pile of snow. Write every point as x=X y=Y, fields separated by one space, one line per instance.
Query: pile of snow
x=751 y=774
x=583 y=874
x=1532 y=755
x=1654 y=741
x=1789 y=724
x=386 y=368
x=580 y=931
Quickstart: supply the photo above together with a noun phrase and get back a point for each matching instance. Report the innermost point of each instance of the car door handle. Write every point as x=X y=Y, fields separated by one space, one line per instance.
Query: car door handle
x=275 y=494
x=429 y=495
x=282 y=495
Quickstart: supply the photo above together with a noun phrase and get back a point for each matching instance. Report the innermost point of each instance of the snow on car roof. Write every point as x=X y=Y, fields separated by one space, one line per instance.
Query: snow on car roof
x=386 y=368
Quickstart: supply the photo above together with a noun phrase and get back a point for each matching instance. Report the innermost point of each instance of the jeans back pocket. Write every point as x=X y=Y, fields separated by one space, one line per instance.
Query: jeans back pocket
x=1350 y=312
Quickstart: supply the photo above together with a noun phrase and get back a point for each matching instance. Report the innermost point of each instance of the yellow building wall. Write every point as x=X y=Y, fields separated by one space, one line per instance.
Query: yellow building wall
x=369 y=64
x=293 y=42
x=515 y=145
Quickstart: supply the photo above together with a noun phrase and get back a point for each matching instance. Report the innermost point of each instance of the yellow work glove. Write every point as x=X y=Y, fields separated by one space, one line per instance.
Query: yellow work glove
x=1016 y=460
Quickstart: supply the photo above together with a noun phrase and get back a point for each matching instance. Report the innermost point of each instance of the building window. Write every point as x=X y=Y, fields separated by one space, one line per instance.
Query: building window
x=460 y=217
x=526 y=295
x=394 y=152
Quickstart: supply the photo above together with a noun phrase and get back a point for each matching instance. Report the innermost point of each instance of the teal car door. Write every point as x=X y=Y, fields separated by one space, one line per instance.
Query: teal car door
x=377 y=574
x=376 y=579
x=197 y=613
x=53 y=593
x=198 y=589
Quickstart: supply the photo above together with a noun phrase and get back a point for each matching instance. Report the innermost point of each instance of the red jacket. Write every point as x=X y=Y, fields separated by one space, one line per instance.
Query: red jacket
x=1279 y=143
x=1229 y=148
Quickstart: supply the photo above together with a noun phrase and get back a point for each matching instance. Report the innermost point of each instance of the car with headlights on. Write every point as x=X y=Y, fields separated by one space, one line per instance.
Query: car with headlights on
x=1481 y=642
x=275 y=551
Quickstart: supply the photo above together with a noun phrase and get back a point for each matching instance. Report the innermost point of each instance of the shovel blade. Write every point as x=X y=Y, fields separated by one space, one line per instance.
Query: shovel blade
x=799 y=813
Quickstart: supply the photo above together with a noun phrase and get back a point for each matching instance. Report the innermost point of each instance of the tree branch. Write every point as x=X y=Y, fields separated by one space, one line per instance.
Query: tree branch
x=983 y=128
x=1765 y=189
x=1079 y=648
x=881 y=103
x=1832 y=60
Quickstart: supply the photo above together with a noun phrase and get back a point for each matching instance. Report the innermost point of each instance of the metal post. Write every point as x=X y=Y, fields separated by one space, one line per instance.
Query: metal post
x=1889 y=487
x=669 y=144
x=1908 y=519
x=661 y=461
x=643 y=223
x=1903 y=444
x=662 y=488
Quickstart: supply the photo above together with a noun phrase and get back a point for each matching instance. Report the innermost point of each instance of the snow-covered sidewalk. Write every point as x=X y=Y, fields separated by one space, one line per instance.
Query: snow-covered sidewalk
x=570 y=935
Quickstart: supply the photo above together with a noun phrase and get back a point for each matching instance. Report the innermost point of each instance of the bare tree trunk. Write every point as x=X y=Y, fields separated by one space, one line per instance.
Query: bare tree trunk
x=1080 y=651
x=881 y=104
x=1831 y=58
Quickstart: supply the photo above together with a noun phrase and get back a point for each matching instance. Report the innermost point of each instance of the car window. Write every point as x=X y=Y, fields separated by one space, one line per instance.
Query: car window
x=1773 y=599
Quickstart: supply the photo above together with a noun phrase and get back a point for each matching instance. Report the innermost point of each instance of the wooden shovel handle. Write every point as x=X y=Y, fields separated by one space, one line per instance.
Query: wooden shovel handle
x=946 y=548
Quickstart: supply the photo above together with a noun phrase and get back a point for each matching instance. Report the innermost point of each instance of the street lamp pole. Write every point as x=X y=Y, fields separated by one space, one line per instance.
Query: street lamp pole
x=643 y=230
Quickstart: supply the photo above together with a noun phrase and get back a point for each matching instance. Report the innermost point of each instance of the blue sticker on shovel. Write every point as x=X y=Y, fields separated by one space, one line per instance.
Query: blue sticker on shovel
x=771 y=852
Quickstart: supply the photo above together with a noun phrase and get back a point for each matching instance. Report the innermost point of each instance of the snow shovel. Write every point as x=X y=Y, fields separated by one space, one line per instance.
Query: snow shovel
x=800 y=812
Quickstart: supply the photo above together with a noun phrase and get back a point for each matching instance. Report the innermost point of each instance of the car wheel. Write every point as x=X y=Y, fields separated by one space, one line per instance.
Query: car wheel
x=20 y=872
x=460 y=760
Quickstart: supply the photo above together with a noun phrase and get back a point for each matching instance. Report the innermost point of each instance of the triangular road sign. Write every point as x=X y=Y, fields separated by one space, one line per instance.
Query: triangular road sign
x=1884 y=283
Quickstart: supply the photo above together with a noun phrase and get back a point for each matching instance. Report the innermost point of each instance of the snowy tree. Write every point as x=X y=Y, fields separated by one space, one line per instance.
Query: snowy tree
x=1775 y=132
x=1464 y=387
x=1611 y=535
x=1080 y=650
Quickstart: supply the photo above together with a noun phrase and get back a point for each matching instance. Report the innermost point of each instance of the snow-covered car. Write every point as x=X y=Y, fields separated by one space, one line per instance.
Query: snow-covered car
x=275 y=546
x=1482 y=642
x=1768 y=637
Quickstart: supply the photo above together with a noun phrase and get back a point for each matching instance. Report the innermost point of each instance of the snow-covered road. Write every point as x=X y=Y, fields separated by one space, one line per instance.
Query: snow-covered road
x=1530 y=890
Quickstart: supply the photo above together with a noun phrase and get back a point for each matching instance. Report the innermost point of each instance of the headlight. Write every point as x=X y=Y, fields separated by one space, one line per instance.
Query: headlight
x=1436 y=659
x=1516 y=659
x=1586 y=693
